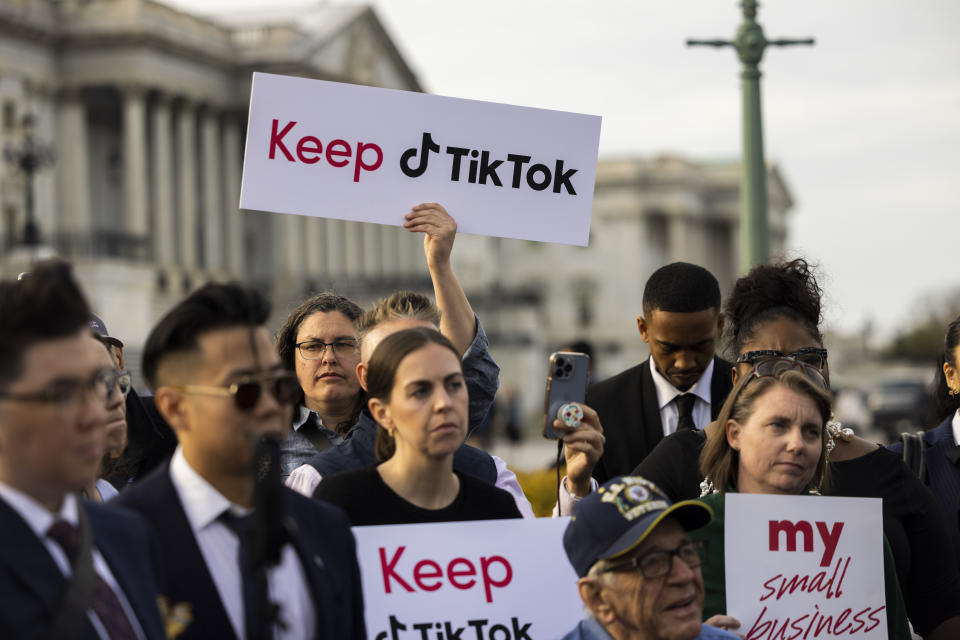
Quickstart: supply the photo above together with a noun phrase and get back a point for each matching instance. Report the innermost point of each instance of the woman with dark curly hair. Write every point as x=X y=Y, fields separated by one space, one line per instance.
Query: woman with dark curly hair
x=775 y=311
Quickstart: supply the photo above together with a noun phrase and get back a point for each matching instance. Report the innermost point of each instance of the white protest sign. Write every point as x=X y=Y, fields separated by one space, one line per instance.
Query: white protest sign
x=352 y=152
x=503 y=579
x=805 y=567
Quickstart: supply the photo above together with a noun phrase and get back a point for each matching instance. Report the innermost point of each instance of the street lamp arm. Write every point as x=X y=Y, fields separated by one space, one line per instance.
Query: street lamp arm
x=786 y=42
x=710 y=43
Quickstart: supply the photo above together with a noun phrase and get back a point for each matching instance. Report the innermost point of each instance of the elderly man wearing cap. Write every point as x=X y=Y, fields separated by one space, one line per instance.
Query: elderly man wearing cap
x=639 y=571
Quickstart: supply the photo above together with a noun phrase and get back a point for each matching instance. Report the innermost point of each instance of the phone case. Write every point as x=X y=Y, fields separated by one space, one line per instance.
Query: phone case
x=567 y=378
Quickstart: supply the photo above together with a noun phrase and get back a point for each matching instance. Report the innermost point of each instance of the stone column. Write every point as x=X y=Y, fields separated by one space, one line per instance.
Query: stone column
x=164 y=224
x=371 y=250
x=353 y=247
x=212 y=191
x=234 y=219
x=291 y=243
x=316 y=248
x=335 y=245
x=187 y=191
x=73 y=182
x=389 y=256
x=135 y=162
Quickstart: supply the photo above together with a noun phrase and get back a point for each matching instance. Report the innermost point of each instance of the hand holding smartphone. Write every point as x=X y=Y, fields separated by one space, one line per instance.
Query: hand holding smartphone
x=567 y=378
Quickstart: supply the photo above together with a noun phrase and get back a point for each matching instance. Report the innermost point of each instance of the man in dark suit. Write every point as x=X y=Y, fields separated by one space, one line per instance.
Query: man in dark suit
x=683 y=383
x=243 y=556
x=68 y=568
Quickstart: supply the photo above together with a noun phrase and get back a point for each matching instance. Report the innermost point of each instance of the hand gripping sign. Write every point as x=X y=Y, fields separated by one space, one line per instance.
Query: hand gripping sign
x=503 y=579
x=805 y=567
x=351 y=152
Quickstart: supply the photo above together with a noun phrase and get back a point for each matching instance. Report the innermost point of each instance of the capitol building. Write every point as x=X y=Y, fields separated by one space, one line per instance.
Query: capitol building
x=139 y=111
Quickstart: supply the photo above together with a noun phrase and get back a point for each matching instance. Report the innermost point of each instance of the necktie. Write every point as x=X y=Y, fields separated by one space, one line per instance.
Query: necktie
x=685 y=404
x=105 y=602
x=240 y=525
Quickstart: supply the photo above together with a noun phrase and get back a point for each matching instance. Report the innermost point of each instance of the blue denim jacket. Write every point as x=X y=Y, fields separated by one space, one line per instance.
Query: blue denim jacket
x=297 y=448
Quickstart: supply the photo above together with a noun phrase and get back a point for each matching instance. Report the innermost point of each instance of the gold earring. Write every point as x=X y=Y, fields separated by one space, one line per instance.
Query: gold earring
x=955 y=392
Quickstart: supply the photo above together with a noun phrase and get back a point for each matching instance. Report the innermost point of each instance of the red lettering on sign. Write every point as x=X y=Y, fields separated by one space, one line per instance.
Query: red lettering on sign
x=428 y=575
x=435 y=572
x=388 y=569
x=485 y=564
x=453 y=574
x=276 y=140
x=309 y=149
x=830 y=537
x=361 y=147
x=338 y=149
x=309 y=144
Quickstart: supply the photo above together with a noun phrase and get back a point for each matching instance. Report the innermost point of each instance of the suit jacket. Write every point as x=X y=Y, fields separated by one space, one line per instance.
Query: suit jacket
x=630 y=415
x=31 y=584
x=941 y=457
x=319 y=532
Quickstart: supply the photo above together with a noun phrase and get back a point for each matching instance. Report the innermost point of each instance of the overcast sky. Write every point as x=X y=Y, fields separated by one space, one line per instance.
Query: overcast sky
x=865 y=126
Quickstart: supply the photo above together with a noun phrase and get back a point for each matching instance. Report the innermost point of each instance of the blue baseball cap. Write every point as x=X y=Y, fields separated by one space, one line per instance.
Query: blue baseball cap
x=96 y=324
x=616 y=518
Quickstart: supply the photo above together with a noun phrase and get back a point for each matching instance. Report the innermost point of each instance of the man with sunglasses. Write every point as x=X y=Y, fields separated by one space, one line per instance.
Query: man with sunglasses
x=639 y=570
x=219 y=382
x=68 y=567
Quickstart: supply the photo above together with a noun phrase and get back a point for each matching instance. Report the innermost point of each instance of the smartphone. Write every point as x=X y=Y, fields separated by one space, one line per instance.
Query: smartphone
x=567 y=378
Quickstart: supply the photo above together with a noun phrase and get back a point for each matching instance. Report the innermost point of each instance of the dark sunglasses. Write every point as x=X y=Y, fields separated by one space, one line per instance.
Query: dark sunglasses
x=246 y=391
x=813 y=356
x=776 y=367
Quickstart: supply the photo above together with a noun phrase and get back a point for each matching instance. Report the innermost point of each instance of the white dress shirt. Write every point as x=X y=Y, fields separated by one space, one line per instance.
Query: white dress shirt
x=39 y=520
x=287 y=583
x=956 y=427
x=666 y=392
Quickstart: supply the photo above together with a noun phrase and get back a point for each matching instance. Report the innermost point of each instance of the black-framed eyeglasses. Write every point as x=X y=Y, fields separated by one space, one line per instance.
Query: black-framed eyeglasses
x=657 y=564
x=776 y=367
x=813 y=356
x=69 y=391
x=246 y=391
x=314 y=349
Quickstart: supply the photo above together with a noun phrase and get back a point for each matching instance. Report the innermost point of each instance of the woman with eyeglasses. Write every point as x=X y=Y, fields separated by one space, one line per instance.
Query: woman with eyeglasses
x=776 y=310
x=771 y=438
x=418 y=396
x=317 y=342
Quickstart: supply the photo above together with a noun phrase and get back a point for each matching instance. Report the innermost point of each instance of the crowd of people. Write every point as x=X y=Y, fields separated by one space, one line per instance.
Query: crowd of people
x=220 y=503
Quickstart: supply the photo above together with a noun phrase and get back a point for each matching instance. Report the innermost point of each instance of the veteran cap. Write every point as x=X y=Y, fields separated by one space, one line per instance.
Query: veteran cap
x=617 y=517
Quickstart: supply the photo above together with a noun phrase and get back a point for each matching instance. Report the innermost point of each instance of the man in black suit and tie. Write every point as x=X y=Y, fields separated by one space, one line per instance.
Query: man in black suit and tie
x=681 y=386
x=243 y=556
x=68 y=568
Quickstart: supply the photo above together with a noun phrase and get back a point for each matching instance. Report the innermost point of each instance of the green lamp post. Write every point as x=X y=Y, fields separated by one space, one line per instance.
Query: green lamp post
x=750 y=44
